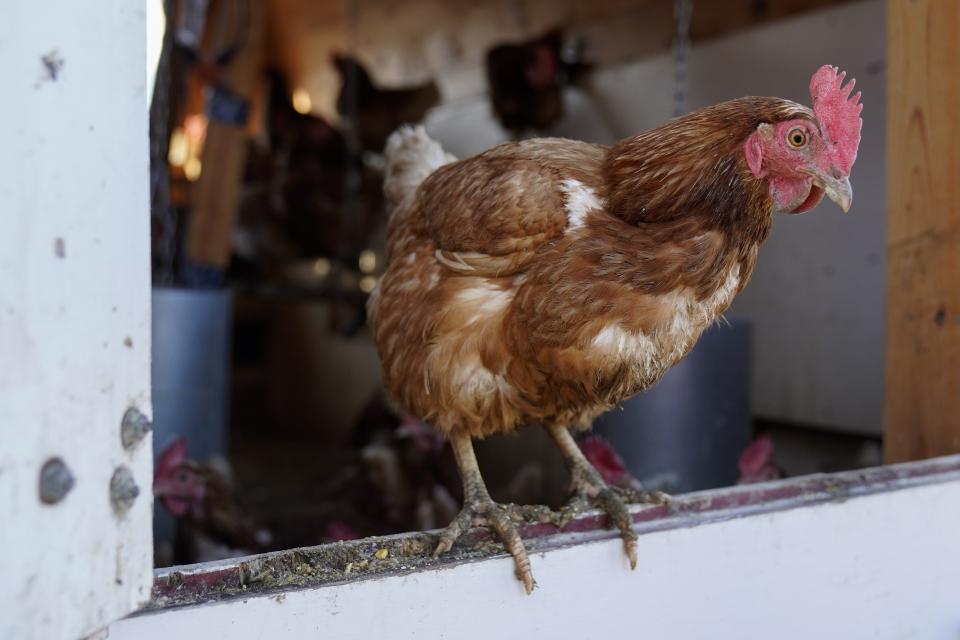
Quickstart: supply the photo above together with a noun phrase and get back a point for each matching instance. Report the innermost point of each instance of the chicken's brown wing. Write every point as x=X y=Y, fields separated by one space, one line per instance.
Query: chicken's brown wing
x=488 y=215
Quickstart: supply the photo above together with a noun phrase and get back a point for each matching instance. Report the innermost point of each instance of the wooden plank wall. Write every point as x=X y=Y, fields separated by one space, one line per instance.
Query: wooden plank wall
x=922 y=404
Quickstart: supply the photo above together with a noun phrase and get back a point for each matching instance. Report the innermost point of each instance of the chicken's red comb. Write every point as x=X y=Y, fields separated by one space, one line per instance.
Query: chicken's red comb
x=838 y=112
x=171 y=458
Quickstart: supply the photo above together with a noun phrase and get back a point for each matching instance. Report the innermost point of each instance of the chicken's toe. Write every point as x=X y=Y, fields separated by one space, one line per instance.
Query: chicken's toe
x=485 y=512
x=454 y=530
x=499 y=522
x=619 y=516
x=639 y=496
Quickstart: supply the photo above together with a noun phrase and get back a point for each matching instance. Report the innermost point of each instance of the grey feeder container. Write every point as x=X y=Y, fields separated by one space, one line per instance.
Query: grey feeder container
x=687 y=432
x=191 y=376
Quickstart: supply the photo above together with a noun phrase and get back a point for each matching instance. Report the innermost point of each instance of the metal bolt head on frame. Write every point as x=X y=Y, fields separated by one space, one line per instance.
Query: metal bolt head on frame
x=123 y=490
x=56 y=481
x=134 y=428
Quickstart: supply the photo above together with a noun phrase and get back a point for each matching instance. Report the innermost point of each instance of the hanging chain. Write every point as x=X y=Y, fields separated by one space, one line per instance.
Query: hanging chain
x=350 y=205
x=682 y=12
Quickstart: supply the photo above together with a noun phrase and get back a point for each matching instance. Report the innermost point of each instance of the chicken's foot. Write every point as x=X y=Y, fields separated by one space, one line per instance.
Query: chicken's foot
x=588 y=485
x=480 y=510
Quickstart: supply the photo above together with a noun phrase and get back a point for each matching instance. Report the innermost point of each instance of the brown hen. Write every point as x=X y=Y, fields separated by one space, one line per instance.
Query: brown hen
x=544 y=281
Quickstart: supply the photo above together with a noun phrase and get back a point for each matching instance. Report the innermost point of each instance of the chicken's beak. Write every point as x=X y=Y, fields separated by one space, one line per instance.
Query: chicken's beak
x=837 y=189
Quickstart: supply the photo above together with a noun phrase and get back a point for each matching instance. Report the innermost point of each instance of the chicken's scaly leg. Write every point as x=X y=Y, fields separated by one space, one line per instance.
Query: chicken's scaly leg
x=480 y=510
x=586 y=482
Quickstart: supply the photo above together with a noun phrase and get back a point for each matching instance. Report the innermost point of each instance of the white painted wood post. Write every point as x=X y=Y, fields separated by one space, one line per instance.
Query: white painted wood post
x=74 y=315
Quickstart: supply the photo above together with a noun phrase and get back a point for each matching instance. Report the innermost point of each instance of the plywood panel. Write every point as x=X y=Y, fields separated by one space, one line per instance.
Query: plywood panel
x=922 y=412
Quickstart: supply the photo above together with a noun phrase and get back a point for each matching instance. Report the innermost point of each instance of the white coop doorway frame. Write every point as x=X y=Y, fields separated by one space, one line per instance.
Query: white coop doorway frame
x=847 y=555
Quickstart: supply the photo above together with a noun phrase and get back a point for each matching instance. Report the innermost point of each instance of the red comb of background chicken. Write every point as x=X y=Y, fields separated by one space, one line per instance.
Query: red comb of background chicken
x=838 y=112
x=171 y=458
x=608 y=462
x=756 y=456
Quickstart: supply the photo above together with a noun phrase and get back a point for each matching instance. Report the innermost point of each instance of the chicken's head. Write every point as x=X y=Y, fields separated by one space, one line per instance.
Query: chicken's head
x=804 y=158
x=179 y=486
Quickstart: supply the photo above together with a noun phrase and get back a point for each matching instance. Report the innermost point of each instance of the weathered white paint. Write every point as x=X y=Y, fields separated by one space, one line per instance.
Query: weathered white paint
x=74 y=311
x=872 y=566
x=816 y=297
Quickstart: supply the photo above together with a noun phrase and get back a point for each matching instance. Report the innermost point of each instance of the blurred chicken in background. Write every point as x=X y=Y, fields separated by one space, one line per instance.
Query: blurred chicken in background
x=294 y=209
x=376 y=112
x=412 y=472
x=202 y=497
x=526 y=81
x=412 y=475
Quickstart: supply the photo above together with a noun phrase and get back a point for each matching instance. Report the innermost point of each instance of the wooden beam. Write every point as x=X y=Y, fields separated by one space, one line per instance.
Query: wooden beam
x=216 y=193
x=922 y=404
x=863 y=550
x=324 y=565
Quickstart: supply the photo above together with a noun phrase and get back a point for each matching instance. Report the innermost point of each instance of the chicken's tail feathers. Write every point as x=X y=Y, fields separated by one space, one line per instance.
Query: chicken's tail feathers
x=411 y=155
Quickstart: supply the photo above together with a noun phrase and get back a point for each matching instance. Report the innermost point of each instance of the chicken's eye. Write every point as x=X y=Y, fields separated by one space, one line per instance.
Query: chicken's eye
x=797 y=138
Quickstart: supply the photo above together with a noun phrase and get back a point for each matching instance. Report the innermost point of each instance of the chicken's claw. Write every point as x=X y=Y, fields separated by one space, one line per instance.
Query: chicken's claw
x=611 y=502
x=617 y=515
x=484 y=512
x=588 y=486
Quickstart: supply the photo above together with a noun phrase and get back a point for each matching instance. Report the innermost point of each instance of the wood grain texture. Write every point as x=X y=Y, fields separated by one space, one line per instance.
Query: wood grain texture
x=922 y=405
x=217 y=191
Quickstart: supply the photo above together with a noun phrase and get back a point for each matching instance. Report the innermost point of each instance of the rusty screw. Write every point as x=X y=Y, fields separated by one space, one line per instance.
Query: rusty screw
x=56 y=481
x=123 y=490
x=134 y=428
